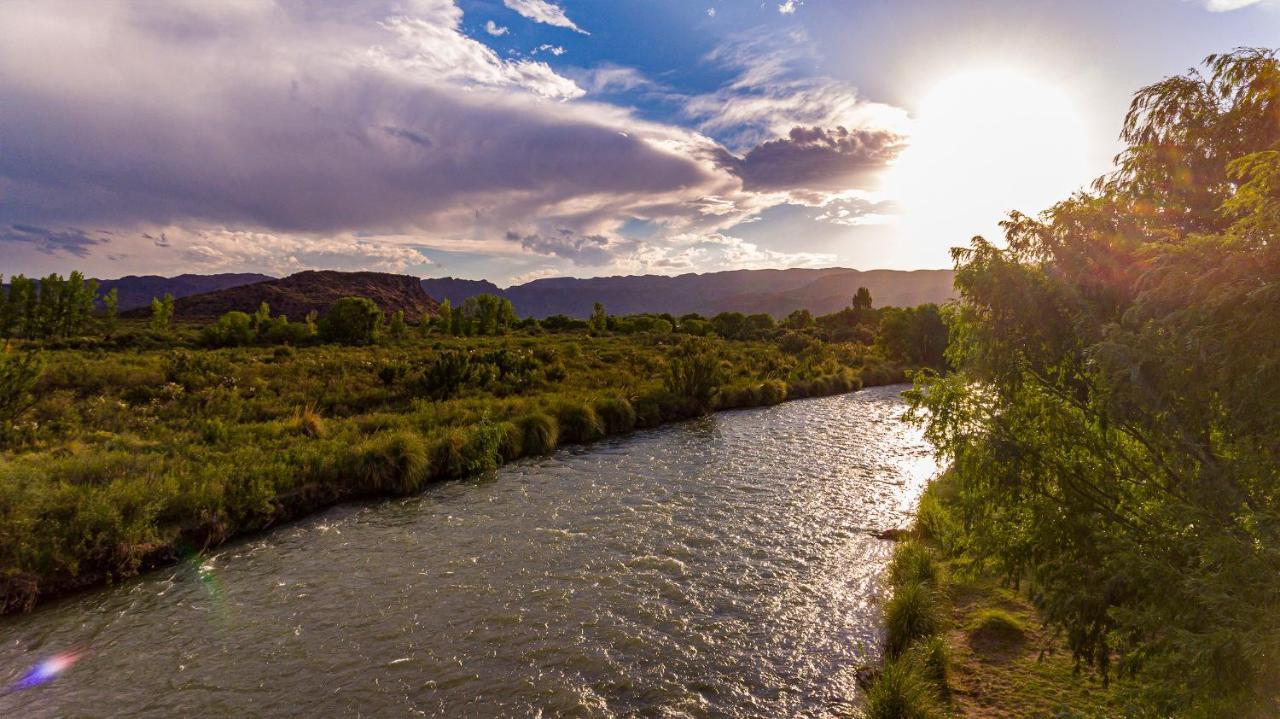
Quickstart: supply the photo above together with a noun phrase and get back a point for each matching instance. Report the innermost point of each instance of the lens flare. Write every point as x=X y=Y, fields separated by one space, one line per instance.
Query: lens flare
x=48 y=669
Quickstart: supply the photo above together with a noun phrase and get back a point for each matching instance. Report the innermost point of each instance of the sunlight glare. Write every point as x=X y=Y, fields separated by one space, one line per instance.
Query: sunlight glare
x=985 y=142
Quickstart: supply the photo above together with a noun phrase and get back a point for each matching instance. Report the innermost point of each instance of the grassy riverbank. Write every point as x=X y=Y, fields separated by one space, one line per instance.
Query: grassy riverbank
x=130 y=458
x=963 y=642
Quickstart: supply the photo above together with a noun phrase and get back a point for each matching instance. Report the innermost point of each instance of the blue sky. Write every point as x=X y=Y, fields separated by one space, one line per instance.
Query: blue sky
x=514 y=139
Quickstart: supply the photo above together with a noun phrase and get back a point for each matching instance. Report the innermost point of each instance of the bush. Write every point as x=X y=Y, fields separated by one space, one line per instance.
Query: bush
x=446 y=375
x=18 y=376
x=694 y=373
x=465 y=452
x=579 y=423
x=912 y=562
x=616 y=414
x=539 y=434
x=351 y=321
x=913 y=613
x=933 y=660
x=234 y=329
x=395 y=462
x=902 y=692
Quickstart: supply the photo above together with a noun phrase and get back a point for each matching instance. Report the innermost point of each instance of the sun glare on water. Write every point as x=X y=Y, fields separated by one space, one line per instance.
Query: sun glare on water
x=986 y=142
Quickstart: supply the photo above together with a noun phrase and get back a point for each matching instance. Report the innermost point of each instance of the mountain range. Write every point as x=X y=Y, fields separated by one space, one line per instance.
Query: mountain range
x=774 y=292
x=313 y=291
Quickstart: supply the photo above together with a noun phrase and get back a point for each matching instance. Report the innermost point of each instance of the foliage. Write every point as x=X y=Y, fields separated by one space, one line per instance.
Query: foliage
x=48 y=308
x=484 y=315
x=902 y=691
x=351 y=321
x=18 y=376
x=693 y=373
x=1116 y=445
x=161 y=313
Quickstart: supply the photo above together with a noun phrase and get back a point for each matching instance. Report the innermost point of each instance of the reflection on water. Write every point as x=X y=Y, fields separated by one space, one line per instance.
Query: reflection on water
x=722 y=567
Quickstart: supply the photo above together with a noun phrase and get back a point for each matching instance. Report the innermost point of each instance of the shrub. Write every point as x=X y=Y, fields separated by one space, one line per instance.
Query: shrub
x=512 y=441
x=308 y=422
x=913 y=613
x=579 y=423
x=694 y=373
x=773 y=392
x=465 y=452
x=395 y=462
x=648 y=410
x=234 y=329
x=351 y=321
x=18 y=376
x=902 y=692
x=616 y=414
x=539 y=433
x=933 y=660
x=446 y=375
x=912 y=562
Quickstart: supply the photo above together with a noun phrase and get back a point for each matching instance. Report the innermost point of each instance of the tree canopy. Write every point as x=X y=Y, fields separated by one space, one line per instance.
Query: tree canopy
x=1115 y=420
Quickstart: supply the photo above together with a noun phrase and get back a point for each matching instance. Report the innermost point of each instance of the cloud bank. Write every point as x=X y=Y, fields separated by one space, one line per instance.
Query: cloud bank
x=286 y=134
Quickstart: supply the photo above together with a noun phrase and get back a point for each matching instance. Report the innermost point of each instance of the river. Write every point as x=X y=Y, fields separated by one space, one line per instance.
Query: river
x=723 y=567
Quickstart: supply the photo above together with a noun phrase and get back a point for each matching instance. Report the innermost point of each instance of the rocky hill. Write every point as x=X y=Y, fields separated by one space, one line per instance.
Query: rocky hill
x=304 y=292
x=776 y=292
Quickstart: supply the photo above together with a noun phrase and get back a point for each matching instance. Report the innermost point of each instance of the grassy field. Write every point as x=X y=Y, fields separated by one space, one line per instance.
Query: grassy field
x=133 y=456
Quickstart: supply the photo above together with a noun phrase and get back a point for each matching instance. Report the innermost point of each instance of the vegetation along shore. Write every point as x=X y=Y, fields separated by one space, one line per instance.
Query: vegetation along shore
x=128 y=444
x=1113 y=435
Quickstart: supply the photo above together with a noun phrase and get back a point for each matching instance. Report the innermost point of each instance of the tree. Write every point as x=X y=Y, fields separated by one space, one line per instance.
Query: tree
x=861 y=299
x=486 y=314
x=233 y=329
x=161 y=313
x=396 y=327
x=1115 y=443
x=599 y=321
x=798 y=320
x=111 y=312
x=352 y=321
x=444 y=317
x=18 y=376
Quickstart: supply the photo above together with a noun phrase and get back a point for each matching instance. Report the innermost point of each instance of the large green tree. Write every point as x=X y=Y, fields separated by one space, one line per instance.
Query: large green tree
x=1115 y=420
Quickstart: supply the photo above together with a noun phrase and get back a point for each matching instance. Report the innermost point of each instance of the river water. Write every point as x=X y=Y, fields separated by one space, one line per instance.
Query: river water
x=720 y=567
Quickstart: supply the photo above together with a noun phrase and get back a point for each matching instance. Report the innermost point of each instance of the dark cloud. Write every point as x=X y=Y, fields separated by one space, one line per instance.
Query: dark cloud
x=367 y=121
x=816 y=158
x=51 y=242
x=580 y=249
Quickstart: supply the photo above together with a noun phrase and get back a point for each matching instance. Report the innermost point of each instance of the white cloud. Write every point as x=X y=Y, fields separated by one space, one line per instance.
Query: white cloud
x=553 y=49
x=258 y=136
x=544 y=12
x=494 y=29
x=789 y=7
x=1229 y=5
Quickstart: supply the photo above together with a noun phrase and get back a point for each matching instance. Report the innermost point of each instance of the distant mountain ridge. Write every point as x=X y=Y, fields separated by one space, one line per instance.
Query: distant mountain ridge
x=138 y=290
x=304 y=292
x=774 y=292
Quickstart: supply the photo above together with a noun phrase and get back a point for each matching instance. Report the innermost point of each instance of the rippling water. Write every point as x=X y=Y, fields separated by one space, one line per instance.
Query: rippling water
x=722 y=567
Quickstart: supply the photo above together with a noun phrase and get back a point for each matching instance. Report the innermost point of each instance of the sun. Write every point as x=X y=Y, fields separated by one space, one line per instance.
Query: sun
x=984 y=142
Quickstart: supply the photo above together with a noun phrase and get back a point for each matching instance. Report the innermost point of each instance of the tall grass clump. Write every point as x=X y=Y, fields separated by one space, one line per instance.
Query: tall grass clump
x=393 y=462
x=578 y=422
x=540 y=433
x=464 y=452
x=616 y=414
x=913 y=613
x=901 y=691
x=912 y=562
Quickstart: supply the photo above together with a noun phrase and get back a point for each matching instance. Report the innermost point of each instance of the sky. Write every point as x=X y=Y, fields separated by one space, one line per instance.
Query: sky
x=517 y=139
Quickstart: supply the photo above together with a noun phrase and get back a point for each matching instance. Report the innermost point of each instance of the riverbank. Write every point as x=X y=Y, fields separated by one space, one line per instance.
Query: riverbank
x=133 y=459
x=961 y=642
